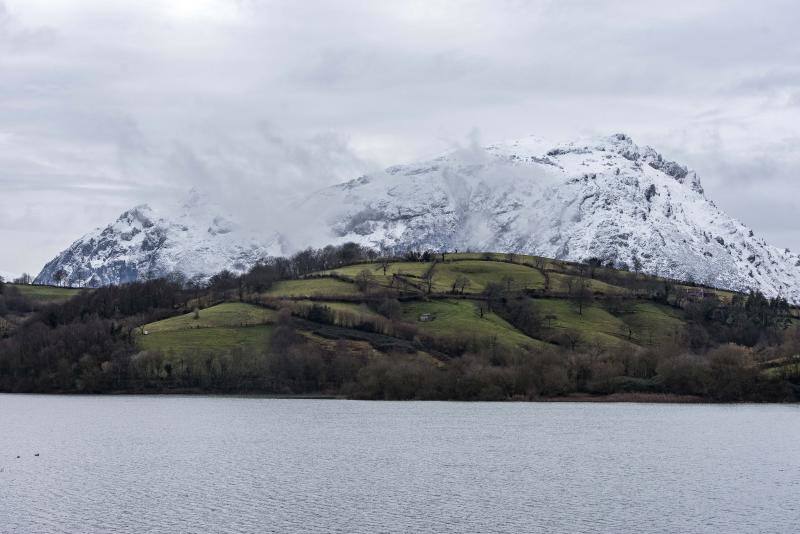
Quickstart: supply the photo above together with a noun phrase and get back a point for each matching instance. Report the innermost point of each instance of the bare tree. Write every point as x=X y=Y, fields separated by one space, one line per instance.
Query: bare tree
x=569 y=338
x=508 y=281
x=384 y=263
x=460 y=283
x=494 y=293
x=23 y=279
x=582 y=295
x=428 y=276
x=364 y=280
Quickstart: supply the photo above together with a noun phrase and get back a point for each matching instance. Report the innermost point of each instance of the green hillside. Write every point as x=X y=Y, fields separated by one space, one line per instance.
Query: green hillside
x=456 y=307
x=218 y=328
x=45 y=294
x=461 y=318
x=205 y=340
x=228 y=314
x=312 y=287
x=466 y=326
x=481 y=273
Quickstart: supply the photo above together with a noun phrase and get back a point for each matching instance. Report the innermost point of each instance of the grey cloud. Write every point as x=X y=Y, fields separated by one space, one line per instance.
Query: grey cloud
x=107 y=104
x=19 y=39
x=773 y=79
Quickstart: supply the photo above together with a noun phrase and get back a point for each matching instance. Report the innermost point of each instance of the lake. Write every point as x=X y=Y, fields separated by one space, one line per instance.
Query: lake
x=156 y=464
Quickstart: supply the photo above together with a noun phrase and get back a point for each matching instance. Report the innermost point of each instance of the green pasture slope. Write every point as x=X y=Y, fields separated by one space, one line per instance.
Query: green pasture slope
x=216 y=329
x=461 y=318
x=45 y=294
x=312 y=287
x=614 y=318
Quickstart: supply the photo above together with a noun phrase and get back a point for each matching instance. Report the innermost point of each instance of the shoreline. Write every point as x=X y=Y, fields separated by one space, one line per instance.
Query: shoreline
x=614 y=398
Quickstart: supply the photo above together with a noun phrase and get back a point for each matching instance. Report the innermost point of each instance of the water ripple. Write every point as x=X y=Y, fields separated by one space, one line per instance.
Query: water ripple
x=232 y=465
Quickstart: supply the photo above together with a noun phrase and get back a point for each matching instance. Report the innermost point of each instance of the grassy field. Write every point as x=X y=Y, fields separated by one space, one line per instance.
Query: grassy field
x=595 y=325
x=480 y=273
x=220 y=327
x=461 y=256
x=232 y=314
x=217 y=339
x=313 y=287
x=560 y=283
x=642 y=323
x=462 y=318
x=526 y=259
x=653 y=324
x=351 y=307
x=411 y=269
x=45 y=294
x=603 y=323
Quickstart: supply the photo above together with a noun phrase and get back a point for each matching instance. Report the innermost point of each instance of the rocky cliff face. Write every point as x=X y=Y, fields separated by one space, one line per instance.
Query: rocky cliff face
x=196 y=240
x=605 y=198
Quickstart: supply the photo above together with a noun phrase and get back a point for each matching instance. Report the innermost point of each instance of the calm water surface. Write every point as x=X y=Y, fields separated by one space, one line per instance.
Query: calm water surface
x=208 y=465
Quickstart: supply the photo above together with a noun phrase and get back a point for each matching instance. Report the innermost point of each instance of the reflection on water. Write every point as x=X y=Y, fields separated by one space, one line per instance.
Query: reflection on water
x=204 y=464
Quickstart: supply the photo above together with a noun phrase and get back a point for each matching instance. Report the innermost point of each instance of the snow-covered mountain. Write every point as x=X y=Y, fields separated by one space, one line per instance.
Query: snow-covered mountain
x=199 y=238
x=601 y=198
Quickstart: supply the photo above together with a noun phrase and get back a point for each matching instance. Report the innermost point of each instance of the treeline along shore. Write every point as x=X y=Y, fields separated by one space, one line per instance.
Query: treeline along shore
x=348 y=321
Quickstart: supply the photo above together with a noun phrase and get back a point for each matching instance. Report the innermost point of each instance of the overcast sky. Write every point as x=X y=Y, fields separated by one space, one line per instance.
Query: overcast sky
x=106 y=104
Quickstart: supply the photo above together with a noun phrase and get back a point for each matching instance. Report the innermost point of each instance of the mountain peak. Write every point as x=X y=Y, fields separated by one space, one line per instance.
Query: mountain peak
x=626 y=147
x=141 y=215
x=198 y=240
x=600 y=197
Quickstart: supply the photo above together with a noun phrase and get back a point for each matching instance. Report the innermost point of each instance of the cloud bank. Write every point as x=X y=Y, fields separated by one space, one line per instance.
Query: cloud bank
x=104 y=105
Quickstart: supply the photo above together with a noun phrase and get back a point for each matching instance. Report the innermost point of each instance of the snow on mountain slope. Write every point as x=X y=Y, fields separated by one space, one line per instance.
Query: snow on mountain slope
x=197 y=240
x=601 y=198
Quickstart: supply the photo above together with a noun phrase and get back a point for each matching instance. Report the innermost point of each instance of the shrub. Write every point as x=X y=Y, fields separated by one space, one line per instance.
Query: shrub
x=685 y=374
x=732 y=374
